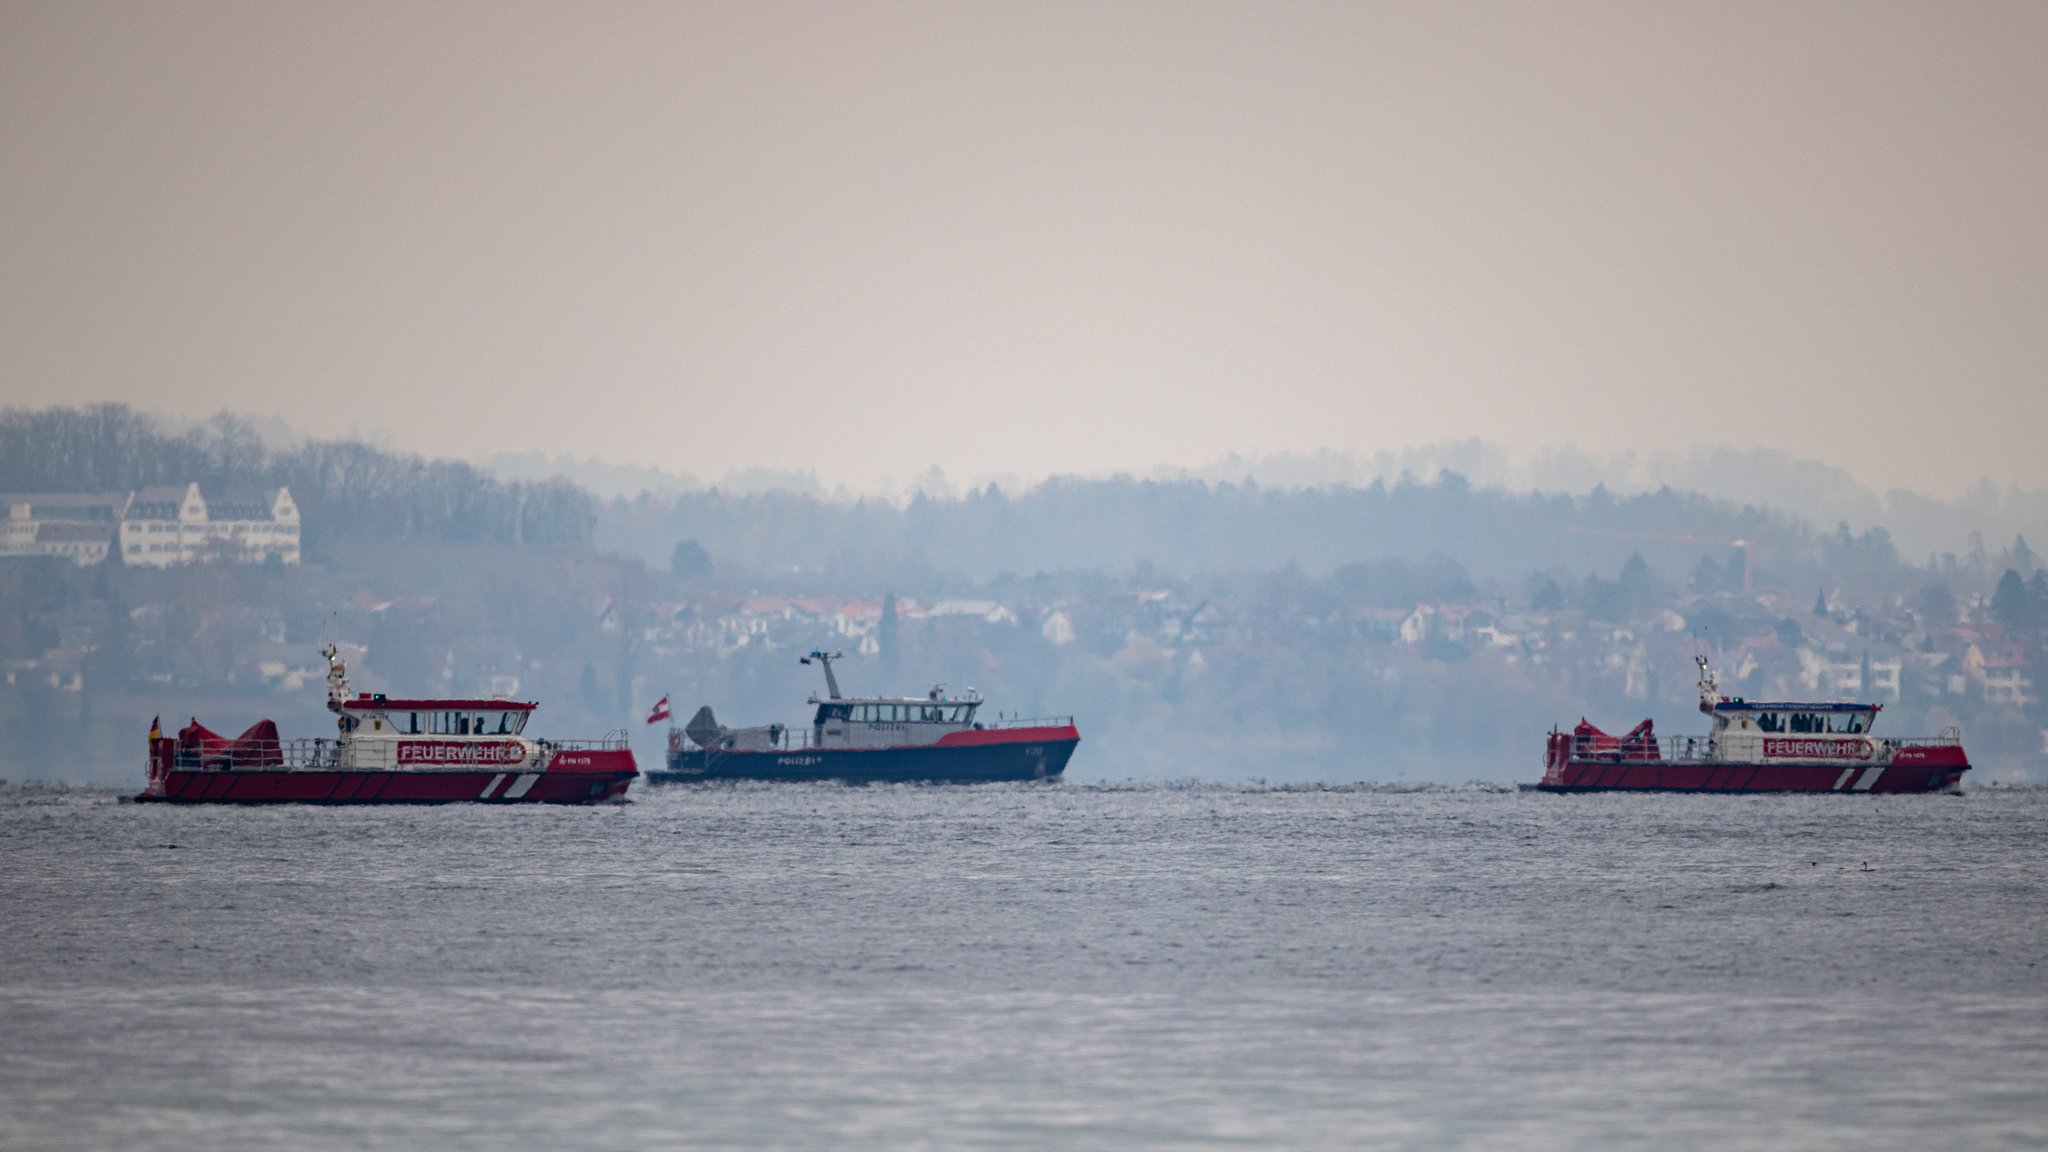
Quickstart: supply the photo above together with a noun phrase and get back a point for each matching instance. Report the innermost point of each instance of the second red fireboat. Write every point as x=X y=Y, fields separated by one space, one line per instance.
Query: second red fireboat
x=1755 y=746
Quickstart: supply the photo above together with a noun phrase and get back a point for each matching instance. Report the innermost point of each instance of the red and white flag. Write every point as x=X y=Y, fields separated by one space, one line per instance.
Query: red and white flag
x=660 y=712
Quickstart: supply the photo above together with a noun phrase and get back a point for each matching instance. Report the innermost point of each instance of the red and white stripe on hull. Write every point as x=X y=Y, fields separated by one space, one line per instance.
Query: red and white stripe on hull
x=601 y=775
x=1932 y=769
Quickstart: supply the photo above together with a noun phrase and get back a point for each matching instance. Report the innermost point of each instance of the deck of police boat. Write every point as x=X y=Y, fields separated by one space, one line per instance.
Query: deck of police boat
x=937 y=738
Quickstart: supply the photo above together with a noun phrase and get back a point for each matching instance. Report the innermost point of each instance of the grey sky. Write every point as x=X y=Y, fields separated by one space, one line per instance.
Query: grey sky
x=1034 y=237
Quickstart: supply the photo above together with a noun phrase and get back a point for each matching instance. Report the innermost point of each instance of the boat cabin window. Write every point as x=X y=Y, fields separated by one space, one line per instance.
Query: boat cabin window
x=404 y=723
x=1849 y=723
x=503 y=723
x=1831 y=723
x=925 y=713
x=918 y=713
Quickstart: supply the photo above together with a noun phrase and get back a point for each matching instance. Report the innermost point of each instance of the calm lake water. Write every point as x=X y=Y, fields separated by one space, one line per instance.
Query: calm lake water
x=1023 y=967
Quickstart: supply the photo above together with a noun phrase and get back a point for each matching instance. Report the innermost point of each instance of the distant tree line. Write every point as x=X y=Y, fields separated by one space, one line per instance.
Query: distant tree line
x=344 y=489
x=2021 y=604
x=1194 y=527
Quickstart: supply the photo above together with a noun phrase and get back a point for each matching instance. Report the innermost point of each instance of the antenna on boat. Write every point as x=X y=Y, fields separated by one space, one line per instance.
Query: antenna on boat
x=1710 y=684
x=337 y=677
x=826 y=659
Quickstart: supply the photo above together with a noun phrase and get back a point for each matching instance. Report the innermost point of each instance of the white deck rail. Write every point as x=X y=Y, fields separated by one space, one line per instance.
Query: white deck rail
x=1696 y=749
x=320 y=754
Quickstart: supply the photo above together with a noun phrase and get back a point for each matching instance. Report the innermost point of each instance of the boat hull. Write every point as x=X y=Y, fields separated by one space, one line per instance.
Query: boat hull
x=323 y=786
x=1911 y=770
x=984 y=758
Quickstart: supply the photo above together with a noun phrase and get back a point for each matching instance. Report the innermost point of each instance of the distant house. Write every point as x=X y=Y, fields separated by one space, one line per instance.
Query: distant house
x=153 y=527
x=1825 y=677
x=78 y=526
x=82 y=544
x=1058 y=628
x=2008 y=686
x=987 y=610
x=1380 y=624
x=1415 y=628
x=167 y=526
x=2001 y=674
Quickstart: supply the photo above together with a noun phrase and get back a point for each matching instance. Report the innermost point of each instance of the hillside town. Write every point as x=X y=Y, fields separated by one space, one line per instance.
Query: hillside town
x=1824 y=651
x=1935 y=661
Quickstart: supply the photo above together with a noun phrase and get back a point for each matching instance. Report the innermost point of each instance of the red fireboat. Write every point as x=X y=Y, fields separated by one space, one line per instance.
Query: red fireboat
x=390 y=751
x=1755 y=746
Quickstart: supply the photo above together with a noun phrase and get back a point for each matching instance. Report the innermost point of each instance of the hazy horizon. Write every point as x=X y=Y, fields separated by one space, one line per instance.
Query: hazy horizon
x=1042 y=239
x=1710 y=468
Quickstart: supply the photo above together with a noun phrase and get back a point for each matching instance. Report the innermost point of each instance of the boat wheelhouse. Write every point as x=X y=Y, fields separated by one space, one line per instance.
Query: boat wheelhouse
x=935 y=738
x=391 y=750
x=1757 y=746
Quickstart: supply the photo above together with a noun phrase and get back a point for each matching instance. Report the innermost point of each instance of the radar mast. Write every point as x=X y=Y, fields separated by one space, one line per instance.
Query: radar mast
x=826 y=659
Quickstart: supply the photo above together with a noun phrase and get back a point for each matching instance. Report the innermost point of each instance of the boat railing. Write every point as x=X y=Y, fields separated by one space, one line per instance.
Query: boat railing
x=1684 y=749
x=1694 y=749
x=611 y=741
x=1029 y=722
x=324 y=754
x=1949 y=737
x=803 y=738
x=316 y=752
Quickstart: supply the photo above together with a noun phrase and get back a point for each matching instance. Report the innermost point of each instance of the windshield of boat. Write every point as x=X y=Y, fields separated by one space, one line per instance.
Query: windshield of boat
x=1814 y=722
x=494 y=722
x=898 y=712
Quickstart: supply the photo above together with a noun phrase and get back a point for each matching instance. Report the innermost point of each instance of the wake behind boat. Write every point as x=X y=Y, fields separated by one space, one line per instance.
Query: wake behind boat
x=933 y=739
x=1755 y=746
x=389 y=751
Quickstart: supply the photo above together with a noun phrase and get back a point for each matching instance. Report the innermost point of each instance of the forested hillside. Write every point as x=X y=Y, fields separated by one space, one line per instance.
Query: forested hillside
x=1193 y=528
x=344 y=489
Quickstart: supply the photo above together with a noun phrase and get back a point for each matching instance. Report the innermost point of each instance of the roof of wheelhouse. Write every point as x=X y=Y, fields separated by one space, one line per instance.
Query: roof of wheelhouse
x=974 y=699
x=1739 y=705
x=368 y=702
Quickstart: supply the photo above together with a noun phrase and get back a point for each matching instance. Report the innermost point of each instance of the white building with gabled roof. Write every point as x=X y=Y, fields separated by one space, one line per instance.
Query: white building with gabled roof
x=170 y=525
x=153 y=527
x=79 y=526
